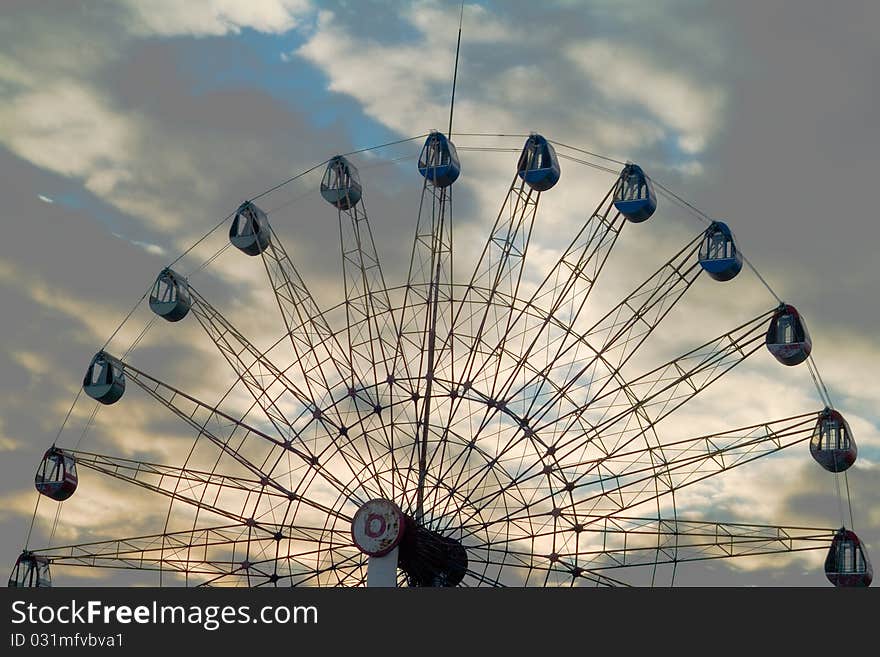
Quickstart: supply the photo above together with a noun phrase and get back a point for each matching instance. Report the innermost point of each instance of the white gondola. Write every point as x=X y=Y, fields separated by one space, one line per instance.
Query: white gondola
x=250 y=232
x=341 y=185
x=104 y=380
x=170 y=298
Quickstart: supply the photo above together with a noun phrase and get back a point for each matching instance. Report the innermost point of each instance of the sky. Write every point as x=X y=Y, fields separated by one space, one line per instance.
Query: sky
x=129 y=129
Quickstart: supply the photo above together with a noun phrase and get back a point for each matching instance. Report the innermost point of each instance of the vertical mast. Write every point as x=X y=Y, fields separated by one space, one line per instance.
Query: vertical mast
x=433 y=303
x=455 y=71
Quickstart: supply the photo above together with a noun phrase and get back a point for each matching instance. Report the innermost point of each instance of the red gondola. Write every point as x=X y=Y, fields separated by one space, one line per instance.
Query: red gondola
x=832 y=444
x=56 y=476
x=787 y=336
x=847 y=563
x=30 y=571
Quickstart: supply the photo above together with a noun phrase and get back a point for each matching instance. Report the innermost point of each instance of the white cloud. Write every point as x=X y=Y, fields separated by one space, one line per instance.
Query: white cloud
x=214 y=17
x=36 y=364
x=57 y=118
x=675 y=103
x=397 y=84
x=8 y=444
x=688 y=107
x=153 y=249
x=94 y=316
x=67 y=128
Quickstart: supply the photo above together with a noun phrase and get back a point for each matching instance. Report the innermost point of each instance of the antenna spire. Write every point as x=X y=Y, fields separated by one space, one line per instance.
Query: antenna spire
x=455 y=71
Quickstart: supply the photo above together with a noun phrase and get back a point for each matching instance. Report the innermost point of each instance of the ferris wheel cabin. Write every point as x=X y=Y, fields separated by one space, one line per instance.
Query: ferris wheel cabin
x=170 y=298
x=538 y=165
x=438 y=161
x=719 y=256
x=846 y=563
x=832 y=445
x=634 y=195
x=104 y=380
x=787 y=336
x=56 y=477
x=341 y=186
x=250 y=232
x=30 y=571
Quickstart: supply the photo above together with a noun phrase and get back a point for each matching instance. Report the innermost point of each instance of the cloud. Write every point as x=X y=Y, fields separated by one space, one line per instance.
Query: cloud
x=68 y=128
x=399 y=94
x=62 y=119
x=94 y=316
x=689 y=108
x=640 y=101
x=36 y=364
x=214 y=17
x=8 y=444
x=153 y=249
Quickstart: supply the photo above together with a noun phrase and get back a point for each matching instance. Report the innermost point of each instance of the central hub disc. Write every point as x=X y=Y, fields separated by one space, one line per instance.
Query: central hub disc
x=377 y=527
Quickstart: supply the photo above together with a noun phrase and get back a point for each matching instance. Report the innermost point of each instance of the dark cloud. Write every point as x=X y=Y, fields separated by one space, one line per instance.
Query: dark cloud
x=794 y=165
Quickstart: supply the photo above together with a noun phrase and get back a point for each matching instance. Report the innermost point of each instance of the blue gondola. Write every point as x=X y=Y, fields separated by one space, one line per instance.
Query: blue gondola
x=170 y=298
x=847 y=563
x=719 y=256
x=832 y=445
x=438 y=161
x=250 y=232
x=787 y=336
x=634 y=195
x=30 y=571
x=56 y=476
x=104 y=380
x=538 y=165
x=341 y=185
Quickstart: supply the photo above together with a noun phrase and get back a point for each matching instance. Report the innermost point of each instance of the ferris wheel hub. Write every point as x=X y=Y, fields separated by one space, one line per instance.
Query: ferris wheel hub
x=378 y=527
x=382 y=531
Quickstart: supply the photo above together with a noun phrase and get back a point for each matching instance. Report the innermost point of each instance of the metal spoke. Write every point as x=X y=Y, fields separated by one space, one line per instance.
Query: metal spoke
x=371 y=325
x=190 y=410
x=214 y=551
x=622 y=542
x=632 y=478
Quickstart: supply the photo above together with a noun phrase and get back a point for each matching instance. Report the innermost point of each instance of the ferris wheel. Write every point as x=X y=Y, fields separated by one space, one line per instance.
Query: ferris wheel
x=446 y=431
